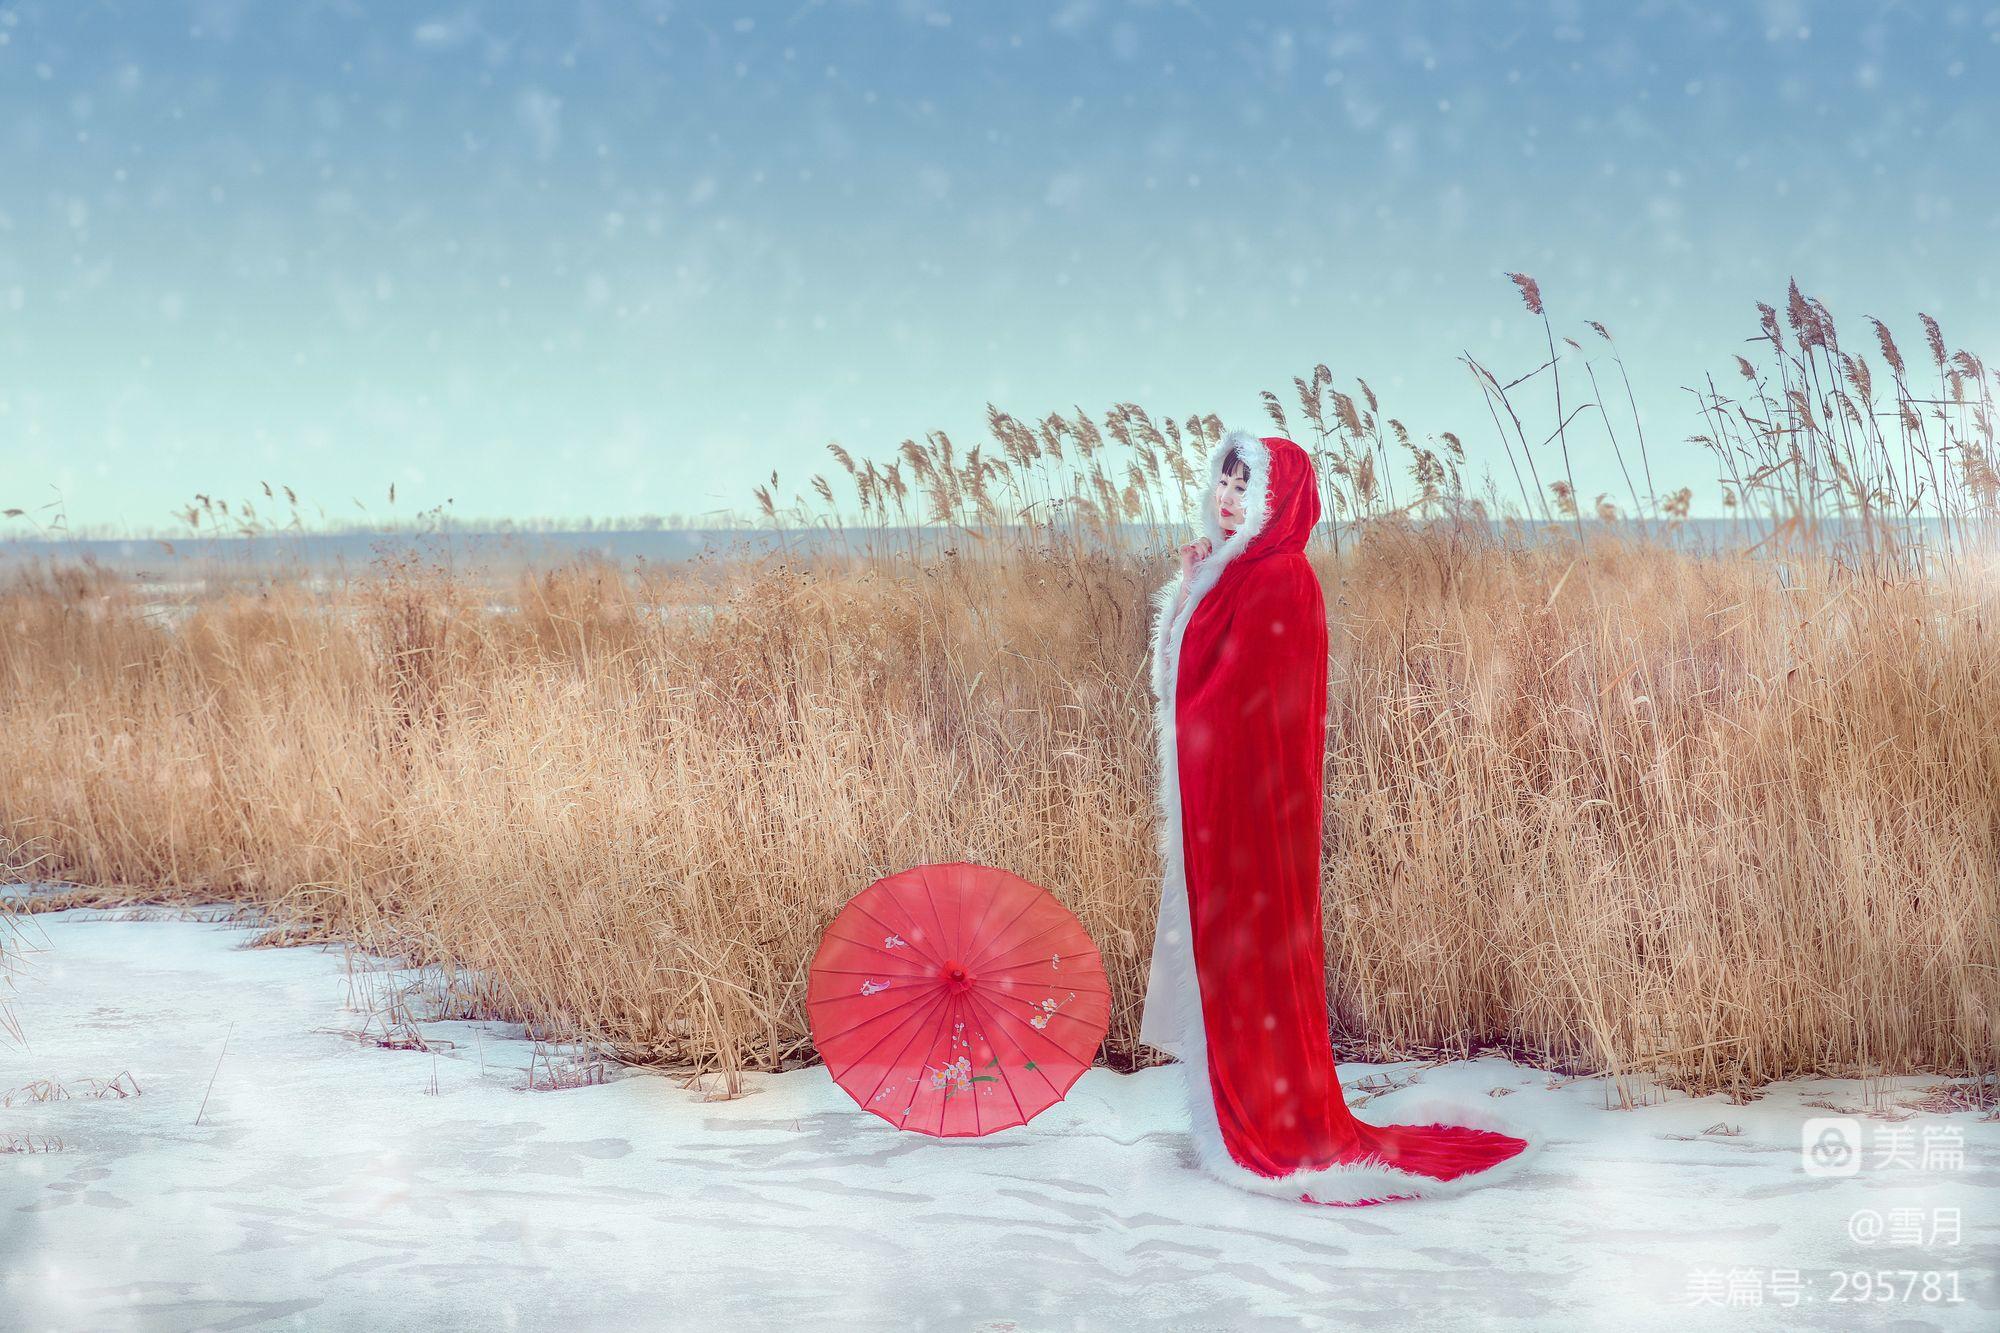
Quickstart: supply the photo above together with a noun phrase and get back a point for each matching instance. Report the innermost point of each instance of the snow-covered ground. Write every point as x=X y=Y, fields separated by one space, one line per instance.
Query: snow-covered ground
x=263 y=1170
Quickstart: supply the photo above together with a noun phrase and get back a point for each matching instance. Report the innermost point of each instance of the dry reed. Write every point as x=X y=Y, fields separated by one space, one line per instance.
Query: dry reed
x=1607 y=803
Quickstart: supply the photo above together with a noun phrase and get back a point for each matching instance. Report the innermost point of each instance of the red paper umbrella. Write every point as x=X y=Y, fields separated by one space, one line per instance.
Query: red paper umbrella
x=957 y=999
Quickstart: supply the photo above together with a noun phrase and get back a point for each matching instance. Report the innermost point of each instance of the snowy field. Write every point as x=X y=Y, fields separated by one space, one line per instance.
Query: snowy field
x=209 y=1145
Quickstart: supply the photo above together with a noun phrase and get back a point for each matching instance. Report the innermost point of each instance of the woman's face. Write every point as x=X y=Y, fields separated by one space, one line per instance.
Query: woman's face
x=1229 y=490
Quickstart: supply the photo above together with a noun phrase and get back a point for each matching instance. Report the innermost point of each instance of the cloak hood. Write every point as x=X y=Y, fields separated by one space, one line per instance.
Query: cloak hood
x=1280 y=509
x=1281 y=504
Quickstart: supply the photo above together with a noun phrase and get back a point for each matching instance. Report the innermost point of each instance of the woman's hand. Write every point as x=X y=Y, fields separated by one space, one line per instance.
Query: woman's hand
x=1195 y=550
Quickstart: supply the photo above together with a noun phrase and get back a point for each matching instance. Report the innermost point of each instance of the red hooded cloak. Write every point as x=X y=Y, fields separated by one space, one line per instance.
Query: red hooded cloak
x=1237 y=989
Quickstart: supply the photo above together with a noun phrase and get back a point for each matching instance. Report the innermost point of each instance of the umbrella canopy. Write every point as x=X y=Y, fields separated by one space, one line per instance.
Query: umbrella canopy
x=957 y=999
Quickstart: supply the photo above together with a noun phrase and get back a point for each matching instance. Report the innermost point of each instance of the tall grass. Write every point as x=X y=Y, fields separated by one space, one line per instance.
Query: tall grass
x=1606 y=803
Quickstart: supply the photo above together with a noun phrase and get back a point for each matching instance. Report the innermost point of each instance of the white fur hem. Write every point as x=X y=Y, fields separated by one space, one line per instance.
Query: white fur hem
x=1358 y=1182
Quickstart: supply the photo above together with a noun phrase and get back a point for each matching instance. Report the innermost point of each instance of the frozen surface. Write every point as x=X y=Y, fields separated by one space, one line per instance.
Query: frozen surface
x=333 y=1183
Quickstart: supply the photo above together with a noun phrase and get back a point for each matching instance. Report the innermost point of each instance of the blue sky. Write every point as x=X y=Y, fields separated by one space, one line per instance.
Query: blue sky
x=585 y=259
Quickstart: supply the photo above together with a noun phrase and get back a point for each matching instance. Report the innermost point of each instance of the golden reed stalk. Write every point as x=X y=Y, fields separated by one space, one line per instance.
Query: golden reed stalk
x=1607 y=804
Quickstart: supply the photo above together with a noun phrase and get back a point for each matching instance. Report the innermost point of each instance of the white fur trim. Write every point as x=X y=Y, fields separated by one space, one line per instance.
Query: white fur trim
x=1170 y=1017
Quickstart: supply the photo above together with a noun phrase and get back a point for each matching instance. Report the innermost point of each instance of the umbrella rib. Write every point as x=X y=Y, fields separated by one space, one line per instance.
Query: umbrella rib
x=1030 y=962
x=1072 y=1018
x=957 y=917
x=898 y=1007
x=978 y=1121
x=905 y=1051
x=930 y=900
x=985 y=980
x=953 y=1012
x=1070 y=923
x=1052 y=1013
x=1004 y=1082
x=856 y=904
x=923 y=1062
x=823 y=969
x=1025 y=907
x=992 y=896
x=992 y=901
x=1022 y=1051
x=863 y=944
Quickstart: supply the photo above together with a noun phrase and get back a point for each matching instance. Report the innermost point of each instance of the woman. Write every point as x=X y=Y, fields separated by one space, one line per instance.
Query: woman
x=1237 y=989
